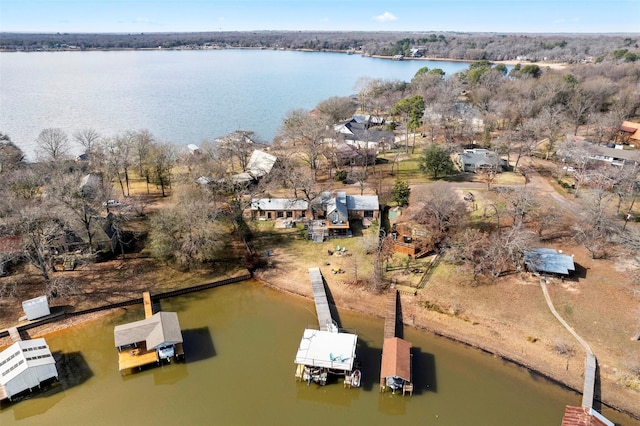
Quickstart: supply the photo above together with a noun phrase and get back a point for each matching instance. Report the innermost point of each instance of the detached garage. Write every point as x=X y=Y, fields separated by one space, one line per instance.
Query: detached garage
x=24 y=366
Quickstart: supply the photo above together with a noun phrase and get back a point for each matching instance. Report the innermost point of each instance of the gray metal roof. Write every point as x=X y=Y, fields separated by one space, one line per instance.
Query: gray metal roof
x=278 y=204
x=363 y=202
x=158 y=330
x=541 y=259
x=23 y=355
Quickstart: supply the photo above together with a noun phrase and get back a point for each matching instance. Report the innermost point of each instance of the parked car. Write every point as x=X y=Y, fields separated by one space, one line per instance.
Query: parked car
x=112 y=203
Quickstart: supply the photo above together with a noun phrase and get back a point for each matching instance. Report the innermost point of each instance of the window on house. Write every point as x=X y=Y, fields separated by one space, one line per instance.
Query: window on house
x=289 y=214
x=368 y=213
x=280 y=214
x=304 y=213
x=262 y=212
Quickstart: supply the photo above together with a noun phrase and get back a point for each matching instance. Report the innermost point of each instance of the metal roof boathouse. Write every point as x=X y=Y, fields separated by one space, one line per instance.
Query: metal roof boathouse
x=327 y=350
x=156 y=338
x=395 y=369
x=24 y=366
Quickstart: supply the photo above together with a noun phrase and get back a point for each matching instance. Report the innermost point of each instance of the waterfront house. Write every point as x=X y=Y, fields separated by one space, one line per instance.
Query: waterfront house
x=279 y=208
x=336 y=212
x=153 y=339
x=24 y=366
x=357 y=132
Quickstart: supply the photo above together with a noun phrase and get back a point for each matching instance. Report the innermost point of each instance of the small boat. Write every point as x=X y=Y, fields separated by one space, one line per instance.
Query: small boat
x=355 y=378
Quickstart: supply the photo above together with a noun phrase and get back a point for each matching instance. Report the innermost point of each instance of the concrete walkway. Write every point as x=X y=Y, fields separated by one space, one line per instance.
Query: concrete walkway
x=591 y=363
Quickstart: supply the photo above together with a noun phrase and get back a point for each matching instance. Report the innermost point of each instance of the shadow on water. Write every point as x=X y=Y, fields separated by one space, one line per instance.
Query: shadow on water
x=398 y=320
x=198 y=344
x=424 y=372
x=332 y=304
x=368 y=361
x=327 y=394
x=73 y=371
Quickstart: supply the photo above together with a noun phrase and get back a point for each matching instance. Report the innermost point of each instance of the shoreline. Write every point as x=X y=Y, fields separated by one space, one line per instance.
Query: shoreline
x=447 y=334
x=423 y=325
x=508 y=62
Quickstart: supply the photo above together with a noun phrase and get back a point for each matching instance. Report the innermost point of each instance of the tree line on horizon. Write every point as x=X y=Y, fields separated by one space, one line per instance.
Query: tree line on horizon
x=566 y=48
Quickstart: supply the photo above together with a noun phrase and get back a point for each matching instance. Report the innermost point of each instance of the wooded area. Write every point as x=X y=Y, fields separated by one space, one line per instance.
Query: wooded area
x=567 y=48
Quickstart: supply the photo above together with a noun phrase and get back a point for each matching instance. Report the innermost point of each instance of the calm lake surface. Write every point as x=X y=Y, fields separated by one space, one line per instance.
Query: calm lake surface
x=182 y=97
x=240 y=342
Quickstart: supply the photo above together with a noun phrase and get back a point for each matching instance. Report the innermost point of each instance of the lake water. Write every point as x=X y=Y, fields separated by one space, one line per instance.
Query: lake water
x=182 y=97
x=240 y=342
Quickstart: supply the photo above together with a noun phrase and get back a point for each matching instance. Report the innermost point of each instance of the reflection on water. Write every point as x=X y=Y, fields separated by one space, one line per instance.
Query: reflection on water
x=240 y=342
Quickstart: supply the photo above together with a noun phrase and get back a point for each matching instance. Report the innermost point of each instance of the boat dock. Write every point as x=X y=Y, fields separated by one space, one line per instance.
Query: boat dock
x=14 y=334
x=326 y=350
x=395 y=369
x=148 y=306
x=391 y=315
x=325 y=322
x=589 y=381
x=155 y=338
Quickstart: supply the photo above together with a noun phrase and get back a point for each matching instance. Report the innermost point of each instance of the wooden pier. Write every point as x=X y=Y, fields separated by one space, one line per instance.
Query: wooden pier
x=14 y=334
x=589 y=381
x=325 y=322
x=391 y=315
x=148 y=306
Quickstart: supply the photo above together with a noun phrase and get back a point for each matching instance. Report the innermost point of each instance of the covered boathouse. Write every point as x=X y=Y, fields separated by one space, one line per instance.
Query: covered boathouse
x=323 y=352
x=24 y=366
x=327 y=350
x=151 y=340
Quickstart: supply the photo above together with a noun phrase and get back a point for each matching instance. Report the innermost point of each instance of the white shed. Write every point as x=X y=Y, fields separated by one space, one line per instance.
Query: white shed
x=24 y=365
x=36 y=308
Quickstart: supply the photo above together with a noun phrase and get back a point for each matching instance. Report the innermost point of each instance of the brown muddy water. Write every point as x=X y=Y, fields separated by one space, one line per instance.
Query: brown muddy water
x=240 y=342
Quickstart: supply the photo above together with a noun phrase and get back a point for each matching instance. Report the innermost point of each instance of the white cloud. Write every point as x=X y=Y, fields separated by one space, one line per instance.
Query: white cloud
x=385 y=17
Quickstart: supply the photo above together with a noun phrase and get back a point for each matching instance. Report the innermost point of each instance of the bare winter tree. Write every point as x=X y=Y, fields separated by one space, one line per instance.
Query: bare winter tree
x=87 y=138
x=10 y=155
x=307 y=134
x=52 y=144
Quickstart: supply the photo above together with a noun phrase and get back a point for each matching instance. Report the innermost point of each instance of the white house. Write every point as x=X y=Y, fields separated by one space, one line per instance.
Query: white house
x=25 y=365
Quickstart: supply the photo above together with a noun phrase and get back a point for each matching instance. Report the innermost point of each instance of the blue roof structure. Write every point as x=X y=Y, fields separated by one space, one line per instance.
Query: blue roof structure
x=548 y=260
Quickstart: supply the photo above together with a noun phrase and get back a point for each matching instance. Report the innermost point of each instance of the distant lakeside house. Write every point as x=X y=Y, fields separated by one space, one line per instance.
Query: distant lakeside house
x=357 y=132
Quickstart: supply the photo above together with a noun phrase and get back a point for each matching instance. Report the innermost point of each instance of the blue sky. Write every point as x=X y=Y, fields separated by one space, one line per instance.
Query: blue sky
x=533 y=16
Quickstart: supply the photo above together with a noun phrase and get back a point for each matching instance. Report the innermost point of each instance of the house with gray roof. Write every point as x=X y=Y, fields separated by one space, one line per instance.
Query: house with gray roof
x=155 y=338
x=542 y=260
x=357 y=132
x=476 y=160
x=279 y=208
x=337 y=211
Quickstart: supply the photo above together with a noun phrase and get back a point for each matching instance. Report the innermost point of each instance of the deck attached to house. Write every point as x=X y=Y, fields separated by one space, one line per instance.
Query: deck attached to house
x=136 y=357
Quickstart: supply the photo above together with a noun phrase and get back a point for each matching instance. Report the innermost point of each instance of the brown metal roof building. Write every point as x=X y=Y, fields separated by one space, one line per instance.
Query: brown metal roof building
x=581 y=416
